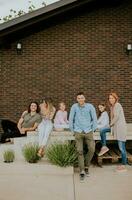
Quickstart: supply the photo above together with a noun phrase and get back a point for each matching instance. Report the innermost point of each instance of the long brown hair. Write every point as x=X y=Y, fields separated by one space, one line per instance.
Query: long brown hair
x=37 y=110
x=101 y=104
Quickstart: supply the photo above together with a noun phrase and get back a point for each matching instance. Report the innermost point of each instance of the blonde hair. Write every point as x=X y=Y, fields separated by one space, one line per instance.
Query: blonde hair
x=62 y=102
x=49 y=106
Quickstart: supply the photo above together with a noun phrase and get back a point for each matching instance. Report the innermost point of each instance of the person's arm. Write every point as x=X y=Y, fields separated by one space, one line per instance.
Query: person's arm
x=23 y=130
x=94 y=118
x=66 y=120
x=103 y=120
x=117 y=111
x=30 y=129
x=19 y=124
x=71 y=118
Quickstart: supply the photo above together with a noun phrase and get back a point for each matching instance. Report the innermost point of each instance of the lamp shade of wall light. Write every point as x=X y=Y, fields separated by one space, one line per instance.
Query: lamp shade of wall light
x=19 y=48
x=129 y=48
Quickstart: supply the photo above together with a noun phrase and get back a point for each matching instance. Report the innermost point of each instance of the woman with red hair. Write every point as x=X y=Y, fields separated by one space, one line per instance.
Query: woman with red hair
x=118 y=125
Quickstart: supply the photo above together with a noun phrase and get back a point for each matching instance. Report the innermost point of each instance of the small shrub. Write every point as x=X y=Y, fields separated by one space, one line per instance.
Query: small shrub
x=62 y=154
x=9 y=156
x=30 y=152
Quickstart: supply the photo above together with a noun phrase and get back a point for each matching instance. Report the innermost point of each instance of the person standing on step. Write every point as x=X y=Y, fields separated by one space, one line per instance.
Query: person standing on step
x=103 y=127
x=47 y=111
x=119 y=129
x=83 y=122
x=28 y=122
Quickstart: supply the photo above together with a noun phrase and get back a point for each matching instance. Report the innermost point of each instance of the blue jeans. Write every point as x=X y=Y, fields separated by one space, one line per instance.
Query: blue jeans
x=122 y=148
x=103 y=132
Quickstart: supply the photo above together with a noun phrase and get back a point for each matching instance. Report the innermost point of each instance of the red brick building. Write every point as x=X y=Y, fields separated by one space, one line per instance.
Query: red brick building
x=67 y=47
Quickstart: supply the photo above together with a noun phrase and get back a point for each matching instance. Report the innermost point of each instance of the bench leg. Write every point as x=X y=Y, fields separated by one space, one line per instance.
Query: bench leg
x=115 y=160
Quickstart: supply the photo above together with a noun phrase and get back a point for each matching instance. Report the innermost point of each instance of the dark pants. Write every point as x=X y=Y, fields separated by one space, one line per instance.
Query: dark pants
x=10 y=130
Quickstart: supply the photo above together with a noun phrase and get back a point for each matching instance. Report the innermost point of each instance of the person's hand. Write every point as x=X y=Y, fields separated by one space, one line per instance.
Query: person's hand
x=111 y=125
x=22 y=130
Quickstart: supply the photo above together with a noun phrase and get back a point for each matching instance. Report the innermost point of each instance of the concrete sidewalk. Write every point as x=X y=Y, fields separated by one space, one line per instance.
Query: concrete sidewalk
x=105 y=184
x=19 y=181
x=23 y=181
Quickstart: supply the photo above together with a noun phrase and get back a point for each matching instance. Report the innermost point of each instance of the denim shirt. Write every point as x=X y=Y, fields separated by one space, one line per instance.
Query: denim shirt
x=83 y=118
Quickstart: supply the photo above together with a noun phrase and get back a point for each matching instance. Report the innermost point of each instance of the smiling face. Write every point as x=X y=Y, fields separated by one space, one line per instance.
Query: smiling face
x=101 y=108
x=62 y=106
x=33 y=107
x=81 y=100
x=112 y=100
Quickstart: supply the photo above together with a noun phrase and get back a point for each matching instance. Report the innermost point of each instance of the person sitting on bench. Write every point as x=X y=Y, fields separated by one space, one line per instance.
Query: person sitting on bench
x=28 y=122
x=60 y=121
x=103 y=127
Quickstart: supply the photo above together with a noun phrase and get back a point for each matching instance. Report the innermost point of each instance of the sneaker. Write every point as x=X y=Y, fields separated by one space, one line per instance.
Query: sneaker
x=121 y=168
x=103 y=151
x=87 y=172
x=82 y=176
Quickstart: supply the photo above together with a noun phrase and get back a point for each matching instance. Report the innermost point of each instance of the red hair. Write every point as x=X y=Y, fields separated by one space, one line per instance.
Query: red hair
x=114 y=95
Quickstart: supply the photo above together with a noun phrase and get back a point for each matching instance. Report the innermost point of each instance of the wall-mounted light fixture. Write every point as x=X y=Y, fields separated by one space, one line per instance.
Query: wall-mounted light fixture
x=19 y=48
x=129 y=48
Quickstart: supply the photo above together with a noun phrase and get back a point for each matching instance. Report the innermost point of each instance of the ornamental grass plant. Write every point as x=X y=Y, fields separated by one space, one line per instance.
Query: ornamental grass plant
x=9 y=156
x=30 y=152
x=62 y=154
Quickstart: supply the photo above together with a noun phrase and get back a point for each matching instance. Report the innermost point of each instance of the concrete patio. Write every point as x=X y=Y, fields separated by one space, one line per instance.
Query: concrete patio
x=105 y=183
x=23 y=181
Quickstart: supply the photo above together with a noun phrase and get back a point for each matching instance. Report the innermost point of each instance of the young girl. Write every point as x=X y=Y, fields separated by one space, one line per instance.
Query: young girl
x=60 y=121
x=118 y=124
x=47 y=111
x=103 y=126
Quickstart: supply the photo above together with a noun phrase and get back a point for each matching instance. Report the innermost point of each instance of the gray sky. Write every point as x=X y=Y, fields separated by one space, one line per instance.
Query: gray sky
x=6 y=5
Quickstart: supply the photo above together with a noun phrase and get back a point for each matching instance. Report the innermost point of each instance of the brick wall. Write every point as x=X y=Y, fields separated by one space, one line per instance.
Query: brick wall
x=85 y=53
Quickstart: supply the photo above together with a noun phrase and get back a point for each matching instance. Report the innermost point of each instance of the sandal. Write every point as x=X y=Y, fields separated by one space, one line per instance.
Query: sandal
x=121 y=168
